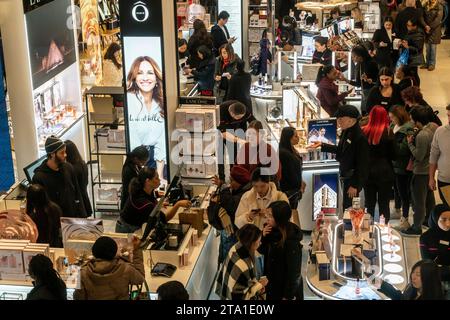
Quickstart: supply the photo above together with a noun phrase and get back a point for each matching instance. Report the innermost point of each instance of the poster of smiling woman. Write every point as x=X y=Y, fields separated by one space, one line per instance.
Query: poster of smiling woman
x=145 y=99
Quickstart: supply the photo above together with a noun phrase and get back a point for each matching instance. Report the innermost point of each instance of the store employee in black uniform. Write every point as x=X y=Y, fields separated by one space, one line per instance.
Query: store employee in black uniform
x=234 y=115
x=322 y=54
x=352 y=153
x=220 y=34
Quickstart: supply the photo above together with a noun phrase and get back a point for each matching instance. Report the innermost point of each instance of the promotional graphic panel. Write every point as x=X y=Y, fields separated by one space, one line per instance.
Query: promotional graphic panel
x=322 y=130
x=325 y=193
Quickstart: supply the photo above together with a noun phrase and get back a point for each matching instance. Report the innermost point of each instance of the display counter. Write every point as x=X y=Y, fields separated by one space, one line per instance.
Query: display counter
x=340 y=268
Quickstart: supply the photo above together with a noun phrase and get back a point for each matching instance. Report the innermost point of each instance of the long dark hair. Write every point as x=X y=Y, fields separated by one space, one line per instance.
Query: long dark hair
x=281 y=212
x=139 y=153
x=431 y=280
x=43 y=211
x=73 y=154
x=109 y=55
x=362 y=52
x=248 y=234
x=200 y=34
x=41 y=269
x=137 y=184
x=323 y=71
x=285 y=140
x=206 y=52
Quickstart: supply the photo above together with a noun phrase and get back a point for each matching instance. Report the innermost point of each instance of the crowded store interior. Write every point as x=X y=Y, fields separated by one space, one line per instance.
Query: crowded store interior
x=224 y=150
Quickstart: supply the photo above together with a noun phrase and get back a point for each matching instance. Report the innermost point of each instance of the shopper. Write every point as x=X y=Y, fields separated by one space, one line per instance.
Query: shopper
x=172 y=290
x=142 y=201
x=135 y=160
x=254 y=203
x=46 y=215
x=434 y=243
x=234 y=120
x=239 y=86
x=407 y=77
x=59 y=179
x=412 y=97
x=440 y=160
x=256 y=152
x=291 y=162
x=410 y=12
x=322 y=54
x=183 y=52
x=265 y=56
x=222 y=208
x=380 y=182
x=282 y=252
x=328 y=91
x=107 y=276
x=199 y=38
x=424 y=284
x=352 y=152
x=47 y=284
x=358 y=18
x=433 y=13
x=366 y=73
x=146 y=115
x=335 y=14
x=401 y=127
x=224 y=70
x=204 y=73
x=383 y=40
x=112 y=66
x=414 y=41
x=237 y=278
x=220 y=34
x=420 y=146
x=81 y=171
x=290 y=30
x=386 y=93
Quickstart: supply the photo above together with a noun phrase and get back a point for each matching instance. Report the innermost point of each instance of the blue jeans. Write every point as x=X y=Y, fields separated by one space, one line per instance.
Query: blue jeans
x=431 y=54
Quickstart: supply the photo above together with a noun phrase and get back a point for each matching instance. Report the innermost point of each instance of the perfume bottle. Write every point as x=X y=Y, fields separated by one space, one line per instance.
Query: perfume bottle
x=382 y=221
x=357 y=289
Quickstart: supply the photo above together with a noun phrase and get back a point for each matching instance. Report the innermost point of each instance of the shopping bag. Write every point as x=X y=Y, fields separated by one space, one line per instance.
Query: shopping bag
x=403 y=59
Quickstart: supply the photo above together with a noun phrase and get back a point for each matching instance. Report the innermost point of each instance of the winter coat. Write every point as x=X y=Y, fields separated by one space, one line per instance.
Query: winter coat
x=329 y=97
x=110 y=280
x=375 y=98
x=282 y=265
x=228 y=123
x=239 y=89
x=129 y=171
x=402 y=18
x=82 y=174
x=352 y=152
x=435 y=245
x=219 y=70
x=237 y=277
x=433 y=18
x=48 y=224
x=403 y=154
x=380 y=160
x=204 y=74
x=416 y=41
x=325 y=58
x=248 y=202
x=385 y=56
x=264 y=56
x=193 y=44
x=370 y=68
x=291 y=170
x=389 y=290
x=62 y=188
x=41 y=292
x=219 y=38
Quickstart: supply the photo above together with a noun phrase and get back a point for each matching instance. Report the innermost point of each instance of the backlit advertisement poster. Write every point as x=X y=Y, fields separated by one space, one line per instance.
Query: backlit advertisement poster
x=325 y=193
x=322 y=130
x=142 y=43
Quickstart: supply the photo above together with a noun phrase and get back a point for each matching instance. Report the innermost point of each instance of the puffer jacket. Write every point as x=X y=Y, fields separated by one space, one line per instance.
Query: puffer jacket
x=110 y=280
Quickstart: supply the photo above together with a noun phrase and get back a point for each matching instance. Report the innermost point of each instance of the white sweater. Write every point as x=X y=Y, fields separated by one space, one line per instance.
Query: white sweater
x=249 y=202
x=440 y=152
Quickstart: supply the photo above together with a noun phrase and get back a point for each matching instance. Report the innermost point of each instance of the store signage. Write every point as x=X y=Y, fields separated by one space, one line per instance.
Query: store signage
x=204 y=101
x=29 y=5
x=140 y=12
x=143 y=61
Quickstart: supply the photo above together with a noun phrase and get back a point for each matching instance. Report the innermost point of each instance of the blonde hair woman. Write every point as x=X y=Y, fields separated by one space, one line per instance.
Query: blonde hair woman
x=358 y=18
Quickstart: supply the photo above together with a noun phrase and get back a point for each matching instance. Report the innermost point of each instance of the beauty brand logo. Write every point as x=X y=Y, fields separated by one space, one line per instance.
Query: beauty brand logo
x=140 y=12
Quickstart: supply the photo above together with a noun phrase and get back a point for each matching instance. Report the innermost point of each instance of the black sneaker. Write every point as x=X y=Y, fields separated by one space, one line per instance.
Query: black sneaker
x=412 y=231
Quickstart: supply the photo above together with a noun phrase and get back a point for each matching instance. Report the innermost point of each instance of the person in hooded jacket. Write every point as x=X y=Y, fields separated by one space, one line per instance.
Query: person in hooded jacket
x=59 y=180
x=204 y=73
x=108 y=277
x=282 y=252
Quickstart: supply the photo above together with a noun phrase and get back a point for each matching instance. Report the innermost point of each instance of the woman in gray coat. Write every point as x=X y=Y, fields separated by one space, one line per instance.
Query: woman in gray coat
x=433 y=12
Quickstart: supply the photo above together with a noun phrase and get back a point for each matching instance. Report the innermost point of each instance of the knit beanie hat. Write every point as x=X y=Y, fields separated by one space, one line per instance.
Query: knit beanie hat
x=240 y=175
x=53 y=144
x=104 y=248
x=438 y=210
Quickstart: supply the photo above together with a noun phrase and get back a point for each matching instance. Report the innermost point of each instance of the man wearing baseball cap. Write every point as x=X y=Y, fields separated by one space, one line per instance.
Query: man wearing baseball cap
x=352 y=152
x=58 y=179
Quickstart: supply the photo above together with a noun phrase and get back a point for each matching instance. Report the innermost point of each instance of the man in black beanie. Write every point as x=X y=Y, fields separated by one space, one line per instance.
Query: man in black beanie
x=108 y=276
x=59 y=180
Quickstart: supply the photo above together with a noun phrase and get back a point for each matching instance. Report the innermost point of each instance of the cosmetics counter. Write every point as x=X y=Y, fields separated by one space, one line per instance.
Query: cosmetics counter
x=194 y=255
x=347 y=255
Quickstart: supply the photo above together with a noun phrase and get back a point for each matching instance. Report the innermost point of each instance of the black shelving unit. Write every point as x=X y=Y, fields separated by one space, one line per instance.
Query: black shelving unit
x=99 y=178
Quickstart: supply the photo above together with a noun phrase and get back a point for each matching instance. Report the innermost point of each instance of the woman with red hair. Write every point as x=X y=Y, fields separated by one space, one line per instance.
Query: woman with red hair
x=381 y=153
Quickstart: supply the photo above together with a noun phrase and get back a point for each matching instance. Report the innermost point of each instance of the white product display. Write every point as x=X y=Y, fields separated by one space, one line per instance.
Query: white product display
x=392 y=257
x=195 y=120
x=387 y=238
x=394 y=279
x=393 y=268
x=197 y=169
x=389 y=248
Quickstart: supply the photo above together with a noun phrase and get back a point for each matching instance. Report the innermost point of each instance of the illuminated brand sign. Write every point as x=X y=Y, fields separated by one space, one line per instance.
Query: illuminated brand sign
x=140 y=12
x=29 y=5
